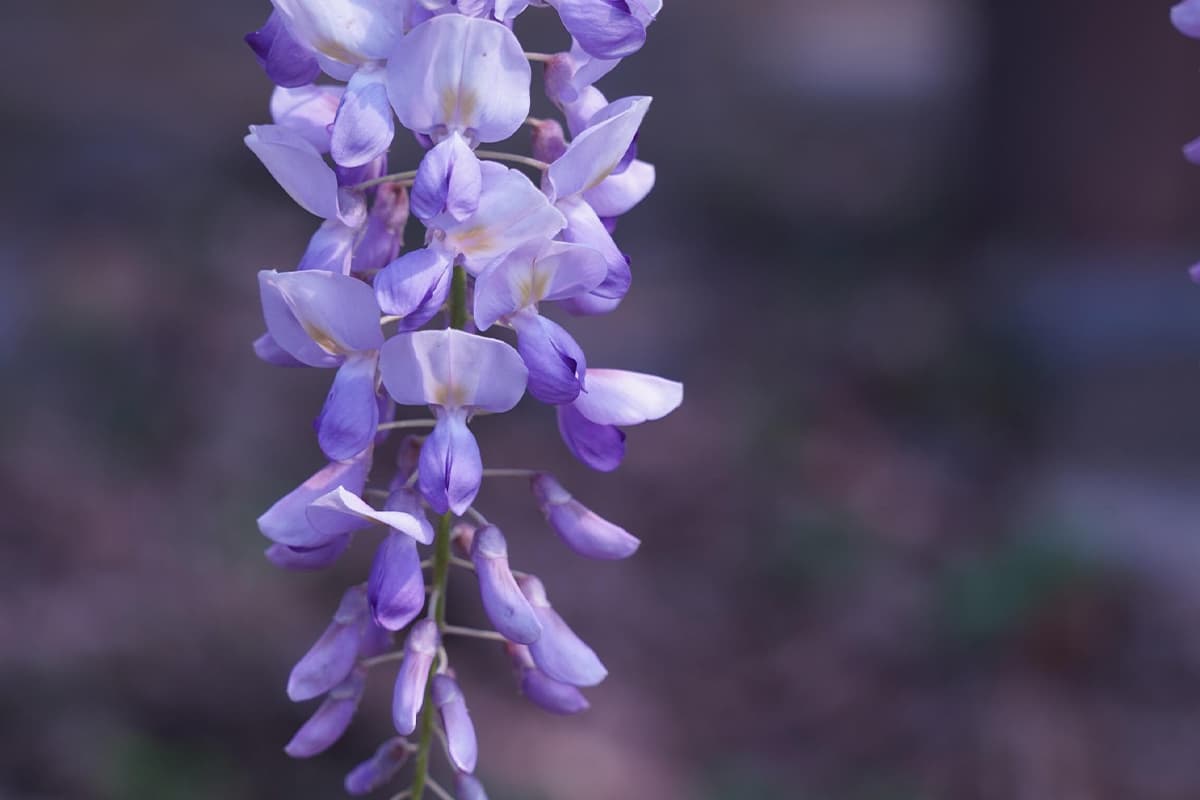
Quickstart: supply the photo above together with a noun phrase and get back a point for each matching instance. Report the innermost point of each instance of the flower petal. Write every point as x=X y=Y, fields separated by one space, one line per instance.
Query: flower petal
x=451 y=469
x=586 y=228
x=347 y=31
x=449 y=180
x=604 y=28
x=452 y=369
x=363 y=129
x=307 y=110
x=461 y=744
x=526 y=277
x=336 y=509
x=597 y=152
x=298 y=168
x=396 y=587
x=557 y=364
x=347 y=423
x=583 y=530
x=268 y=350
x=601 y=447
x=620 y=397
x=384 y=233
x=551 y=695
x=414 y=286
x=331 y=719
x=379 y=769
x=285 y=60
x=286 y=522
x=409 y=694
x=330 y=660
x=331 y=248
x=1185 y=17
x=308 y=560
x=617 y=194
x=468 y=787
x=456 y=73
x=320 y=317
x=508 y=610
x=558 y=652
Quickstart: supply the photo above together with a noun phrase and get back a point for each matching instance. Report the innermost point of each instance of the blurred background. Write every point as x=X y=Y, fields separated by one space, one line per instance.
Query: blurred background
x=924 y=529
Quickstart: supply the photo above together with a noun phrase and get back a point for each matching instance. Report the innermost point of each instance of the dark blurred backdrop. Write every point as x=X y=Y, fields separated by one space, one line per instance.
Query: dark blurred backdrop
x=924 y=529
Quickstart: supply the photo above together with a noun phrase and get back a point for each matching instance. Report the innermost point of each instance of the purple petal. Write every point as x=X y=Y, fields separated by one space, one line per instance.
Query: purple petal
x=601 y=447
x=558 y=652
x=620 y=397
x=586 y=228
x=330 y=660
x=339 y=508
x=456 y=722
x=286 y=522
x=379 y=769
x=1194 y=273
x=449 y=180
x=307 y=560
x=347 y=31
x=583 y=530
x=268 y=350
x=363 y=129
x=451 y=469
x=551 y=695
x=503 y=601
x=330 y=248
x=590 y=305
x=512 y=211
x=320 y=317
x=347 y=423
x=396 y=587
x=617 y=194
x=452 y=369
x=307 y=110
x=458 y=74
x=604 y=28
x=408 y=455
x=549 y=141
x=419 y=651
x=300 y=170
x=1185 y=17
x=599 y=151
x=331 y=719
x=285 y=60
x=468 y=787
x=1191 y=150
x=414 y=286
x=384 y=233
x=531 y=274
x=556 y=363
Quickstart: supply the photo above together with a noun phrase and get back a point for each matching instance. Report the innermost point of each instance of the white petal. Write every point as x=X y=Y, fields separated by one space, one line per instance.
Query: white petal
x=618 y=397
x=330 y=511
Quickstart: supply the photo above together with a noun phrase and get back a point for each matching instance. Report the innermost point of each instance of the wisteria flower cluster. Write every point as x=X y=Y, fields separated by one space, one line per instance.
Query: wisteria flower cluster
x=406 y=329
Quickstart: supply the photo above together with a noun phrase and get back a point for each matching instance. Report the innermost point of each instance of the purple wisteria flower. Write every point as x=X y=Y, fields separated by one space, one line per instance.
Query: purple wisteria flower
x=456 y=329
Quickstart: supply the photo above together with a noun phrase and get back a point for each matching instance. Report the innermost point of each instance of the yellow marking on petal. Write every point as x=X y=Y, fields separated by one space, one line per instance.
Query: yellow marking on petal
x=335 y=51
x=322 y=338
x=602 y=176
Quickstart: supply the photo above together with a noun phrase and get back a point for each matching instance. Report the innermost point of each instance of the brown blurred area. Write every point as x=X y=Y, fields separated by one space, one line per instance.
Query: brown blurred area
x=924 y=529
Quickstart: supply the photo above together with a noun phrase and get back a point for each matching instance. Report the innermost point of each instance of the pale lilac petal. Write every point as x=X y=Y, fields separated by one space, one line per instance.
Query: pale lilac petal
x=331 y=719
x=621 y=397
x=408 y=455
x=331 y=248
x=449 y=180
x=308 y=560
x=580 y=112
x=347 y=423
x=456 y=722
x=455 y=73
x=300 y=170
x=508 y=610
x=550 y=695
x=286 y=522
x=452 y=369
x=532 y=274
x=338 y=508
x=468 y=787
x=330 y=660
x=451 y=468
x=396 y=587
x=1185 y=17
x=556 y=362
x=508 y=10
x=617 y=194
x=512 y=211
x=363 y=129
x=585 y=227
x=320 y=317
x=601 y=447
x=285 y=60
x=590 y=305
x=409 y=694
x=414 y=286
x=599 y=151
x=268 y=350
x=558 y=652
x=384 y=233
x=346 y=31
x=307 y=110
x=379 y=769
x=583 y=530
x=604 y=28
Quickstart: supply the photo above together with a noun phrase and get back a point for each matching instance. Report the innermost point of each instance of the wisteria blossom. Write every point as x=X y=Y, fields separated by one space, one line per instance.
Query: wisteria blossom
x=428 y=340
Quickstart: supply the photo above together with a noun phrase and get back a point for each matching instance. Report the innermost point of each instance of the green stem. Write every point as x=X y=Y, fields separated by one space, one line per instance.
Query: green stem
x=441 y=566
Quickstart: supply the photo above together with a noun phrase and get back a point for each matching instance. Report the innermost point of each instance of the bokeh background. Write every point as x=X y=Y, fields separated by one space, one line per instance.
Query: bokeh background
x=925 y=528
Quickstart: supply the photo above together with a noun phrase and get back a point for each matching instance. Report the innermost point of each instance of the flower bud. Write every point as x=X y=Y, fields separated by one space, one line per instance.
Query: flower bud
x=330 y=660
x=419 y=651
x=306 y=560
x=583 y=530
x=456 y=722
x=558 y=651
x=331 y=719
x=396 y=588
x=468 y=787
x=506 y=607
x=379 y=768
x=542 y=690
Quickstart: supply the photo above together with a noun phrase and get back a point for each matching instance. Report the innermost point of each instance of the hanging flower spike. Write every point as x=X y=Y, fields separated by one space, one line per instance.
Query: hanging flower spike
x=456 y=374
x=591 y=425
